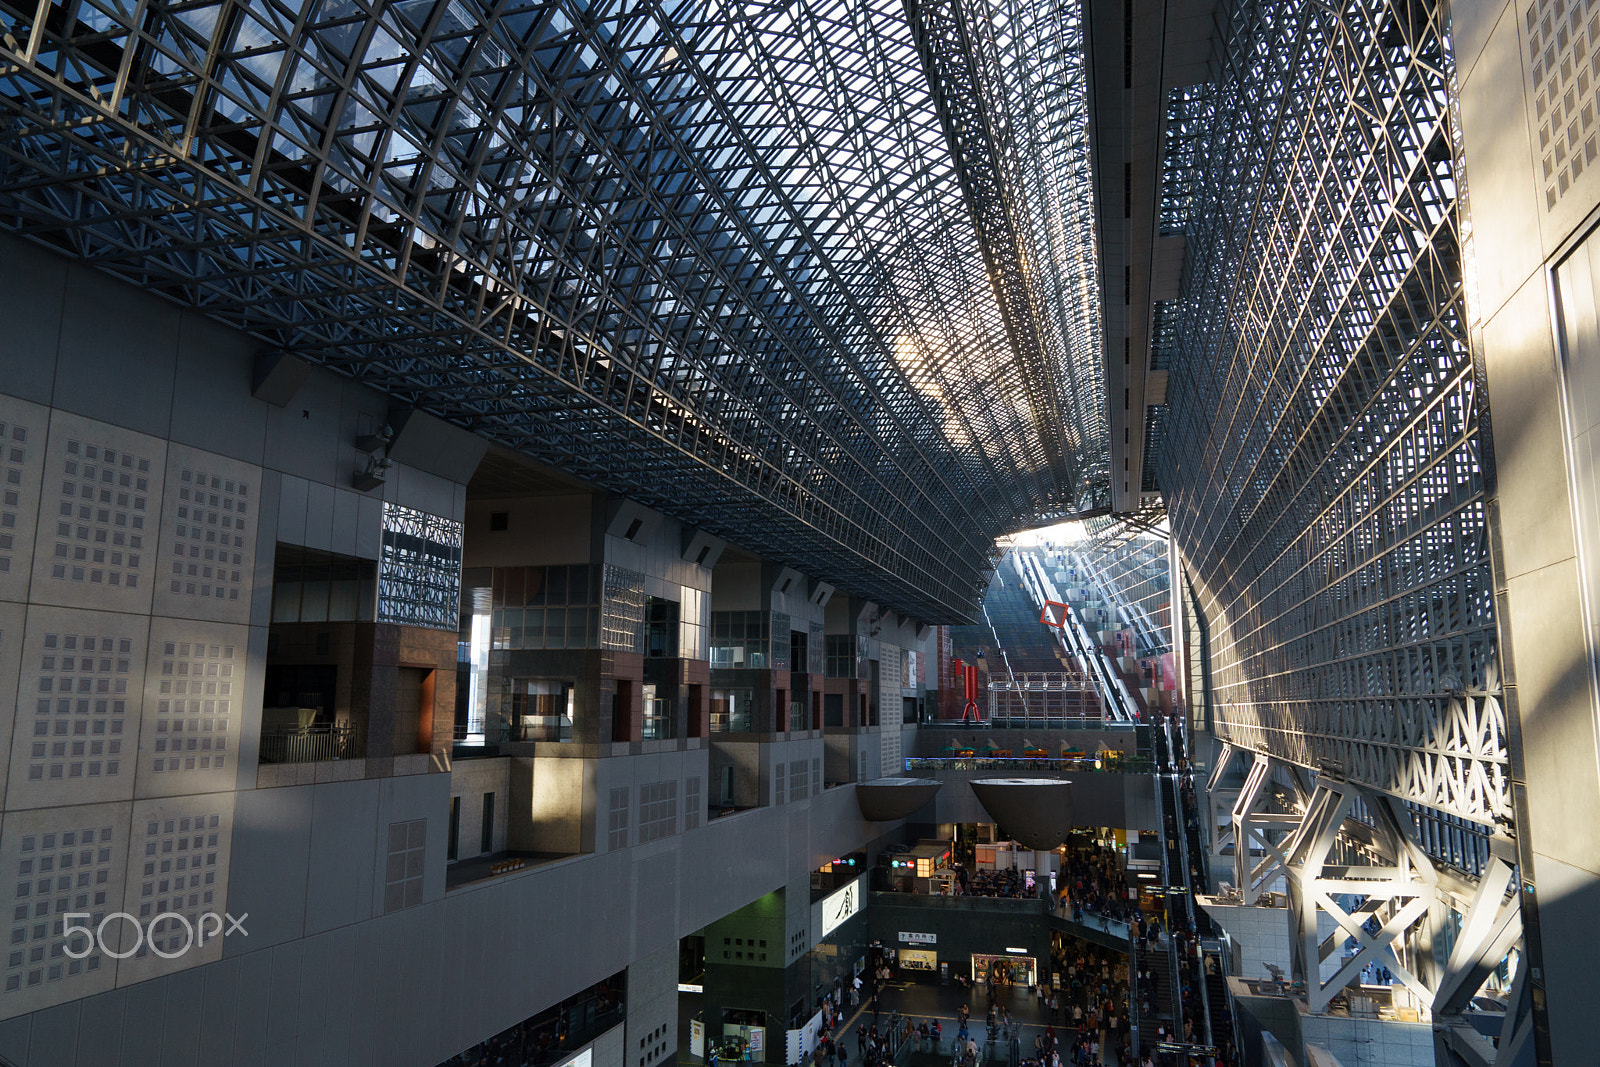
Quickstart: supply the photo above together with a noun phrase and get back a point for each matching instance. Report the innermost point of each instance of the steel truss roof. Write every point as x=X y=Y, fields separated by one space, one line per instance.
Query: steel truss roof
x=717 y=256
x=1322 y=455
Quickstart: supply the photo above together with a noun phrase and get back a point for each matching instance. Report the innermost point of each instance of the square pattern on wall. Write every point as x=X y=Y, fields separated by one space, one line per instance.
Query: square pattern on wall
x=23 y=433
x=206 y=557
x=56 y=872
x=194 y=689
x=177 y=884
x=81 y=713
x=82 y=679
x=194 y=706
x=13 y=460
x=1563 y=41
x=101 y=515
x=209 y=525
x=98 y=516
x=178 y=879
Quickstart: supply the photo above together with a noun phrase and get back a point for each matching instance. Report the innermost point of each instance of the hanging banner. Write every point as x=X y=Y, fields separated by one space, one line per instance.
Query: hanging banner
x=838 y=907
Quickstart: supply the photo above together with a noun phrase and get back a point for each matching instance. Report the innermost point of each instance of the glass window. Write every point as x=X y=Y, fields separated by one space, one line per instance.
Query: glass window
x=662 y=630
x=660 y=710
x=732 y=710
x=841 y=656
x=539 y=709
x=623 y=620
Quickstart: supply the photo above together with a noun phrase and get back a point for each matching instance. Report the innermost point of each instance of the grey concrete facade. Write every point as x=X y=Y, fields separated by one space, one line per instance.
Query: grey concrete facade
x=1533 y=210
x=335 y=968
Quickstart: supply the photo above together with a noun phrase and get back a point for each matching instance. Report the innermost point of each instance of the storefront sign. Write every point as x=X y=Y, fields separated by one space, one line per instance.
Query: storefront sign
x=918 y=939
x=1018 y=951
x=840 y=906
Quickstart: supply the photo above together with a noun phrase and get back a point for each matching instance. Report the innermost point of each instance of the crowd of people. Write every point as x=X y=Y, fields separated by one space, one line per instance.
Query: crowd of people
x=874 y=1047
x=1093 y=881
x=1091 y=1006
x=1002 y=883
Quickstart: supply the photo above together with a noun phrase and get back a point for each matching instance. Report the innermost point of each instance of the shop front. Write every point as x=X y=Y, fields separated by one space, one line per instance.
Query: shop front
x=919 y=964
x=1007 y=969
x=916 y=956
x=744 y=1034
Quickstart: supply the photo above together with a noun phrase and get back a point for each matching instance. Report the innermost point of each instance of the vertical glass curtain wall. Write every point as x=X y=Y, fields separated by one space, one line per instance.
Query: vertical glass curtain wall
x=523 y=682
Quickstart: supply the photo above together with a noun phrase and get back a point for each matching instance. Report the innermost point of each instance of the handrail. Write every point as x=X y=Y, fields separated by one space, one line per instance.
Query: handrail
x=1029 y=722
x=1112 y=689
x=1033 y=764
x=311 y=743
x=1132 y=611
x=959 y=901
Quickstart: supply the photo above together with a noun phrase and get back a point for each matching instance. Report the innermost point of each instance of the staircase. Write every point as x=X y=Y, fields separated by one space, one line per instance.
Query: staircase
x=1156 y=959
x=1217 y=1002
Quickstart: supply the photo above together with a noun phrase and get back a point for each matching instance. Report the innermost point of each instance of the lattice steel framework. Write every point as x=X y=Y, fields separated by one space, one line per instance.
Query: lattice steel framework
x=1322 y=456
x=1127 y=561
x=419 y=571
x=716 y=255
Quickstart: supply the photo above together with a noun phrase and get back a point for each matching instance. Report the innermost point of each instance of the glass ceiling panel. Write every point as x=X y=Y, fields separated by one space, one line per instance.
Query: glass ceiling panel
x=756 y=264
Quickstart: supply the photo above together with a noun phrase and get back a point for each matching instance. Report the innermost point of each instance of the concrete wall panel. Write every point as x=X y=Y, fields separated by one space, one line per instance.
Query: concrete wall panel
x=270 y=864
x=118 y=354
x=33 y=293
x=212 y=408
x=341 y=859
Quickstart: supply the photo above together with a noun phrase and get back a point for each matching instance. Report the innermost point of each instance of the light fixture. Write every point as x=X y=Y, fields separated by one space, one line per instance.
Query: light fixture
x=372 y=477
x=375 y=442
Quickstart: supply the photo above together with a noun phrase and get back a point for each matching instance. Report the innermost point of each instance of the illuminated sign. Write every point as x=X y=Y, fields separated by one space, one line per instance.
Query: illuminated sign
x=840 y=906
x=919 y=939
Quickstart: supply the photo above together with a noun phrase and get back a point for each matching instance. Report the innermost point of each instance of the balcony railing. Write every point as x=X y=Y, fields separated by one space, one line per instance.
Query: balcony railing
x=1026 y=765
x=310 y=744
x=541 y=728
x=738 y=722
x=962 y=902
